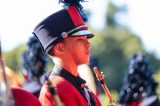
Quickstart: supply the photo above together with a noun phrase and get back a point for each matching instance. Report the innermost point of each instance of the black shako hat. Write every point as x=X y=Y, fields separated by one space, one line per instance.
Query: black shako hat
x=56 y=27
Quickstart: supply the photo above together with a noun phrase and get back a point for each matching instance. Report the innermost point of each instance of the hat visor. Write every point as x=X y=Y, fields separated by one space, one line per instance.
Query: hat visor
x=83 y=33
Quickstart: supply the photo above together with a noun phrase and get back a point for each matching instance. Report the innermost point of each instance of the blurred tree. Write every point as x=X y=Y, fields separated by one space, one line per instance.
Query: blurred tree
x=13 y=57
x=113 y=48
x=114 y=45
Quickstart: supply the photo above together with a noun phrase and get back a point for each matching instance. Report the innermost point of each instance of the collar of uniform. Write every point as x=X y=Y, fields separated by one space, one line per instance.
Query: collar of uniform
x=75 y=80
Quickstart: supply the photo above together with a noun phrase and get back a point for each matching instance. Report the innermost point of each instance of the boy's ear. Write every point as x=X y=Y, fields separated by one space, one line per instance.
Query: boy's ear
x=58 y=48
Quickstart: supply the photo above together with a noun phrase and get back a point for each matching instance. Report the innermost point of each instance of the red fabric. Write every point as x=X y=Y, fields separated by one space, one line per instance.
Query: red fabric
x=75 y=16
x=67 y=93
x=137 y=103
x=24 y=98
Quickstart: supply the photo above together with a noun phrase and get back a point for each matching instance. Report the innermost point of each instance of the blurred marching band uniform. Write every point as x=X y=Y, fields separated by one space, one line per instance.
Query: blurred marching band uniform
x=12 y=95
x=24 y=98
x=139 y=87
x=34 y=63
x=16 y=96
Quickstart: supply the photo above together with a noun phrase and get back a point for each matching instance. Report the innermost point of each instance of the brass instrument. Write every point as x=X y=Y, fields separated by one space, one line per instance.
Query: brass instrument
x=100 y=77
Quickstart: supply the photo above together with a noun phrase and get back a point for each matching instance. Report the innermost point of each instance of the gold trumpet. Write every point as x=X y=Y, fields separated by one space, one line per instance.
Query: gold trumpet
x=100 y=78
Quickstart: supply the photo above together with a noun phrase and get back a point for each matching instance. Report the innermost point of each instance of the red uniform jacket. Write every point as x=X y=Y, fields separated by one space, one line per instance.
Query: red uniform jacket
x=67 y=93
x=24 y=98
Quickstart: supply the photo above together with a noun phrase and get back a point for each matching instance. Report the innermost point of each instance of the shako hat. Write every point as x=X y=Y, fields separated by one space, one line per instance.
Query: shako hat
x=66 y=22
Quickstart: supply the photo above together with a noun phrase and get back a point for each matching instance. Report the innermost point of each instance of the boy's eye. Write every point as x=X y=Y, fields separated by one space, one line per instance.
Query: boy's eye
x=81 y=39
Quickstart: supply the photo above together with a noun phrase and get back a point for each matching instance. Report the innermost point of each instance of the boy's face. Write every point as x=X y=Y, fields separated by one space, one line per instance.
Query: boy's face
x=78 y=49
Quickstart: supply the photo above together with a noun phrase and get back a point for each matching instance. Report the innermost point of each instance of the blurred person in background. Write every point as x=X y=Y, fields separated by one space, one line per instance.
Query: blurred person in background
x=11 y=95
x=34 y=63
x=139 y=88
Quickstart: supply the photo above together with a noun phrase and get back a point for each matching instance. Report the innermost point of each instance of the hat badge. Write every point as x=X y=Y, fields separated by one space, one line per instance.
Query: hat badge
x=64 y=34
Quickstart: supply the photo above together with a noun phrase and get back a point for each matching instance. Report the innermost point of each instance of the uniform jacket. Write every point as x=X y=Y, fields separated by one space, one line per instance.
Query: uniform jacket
x=67 y=92
x=24 y=98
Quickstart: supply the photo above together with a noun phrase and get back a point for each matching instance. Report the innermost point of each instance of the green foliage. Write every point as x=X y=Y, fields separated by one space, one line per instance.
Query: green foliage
x=112 y=12
x=13 y=57
x=156 y=76
x=154 y=61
